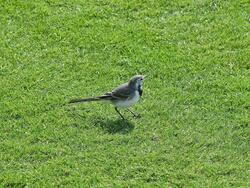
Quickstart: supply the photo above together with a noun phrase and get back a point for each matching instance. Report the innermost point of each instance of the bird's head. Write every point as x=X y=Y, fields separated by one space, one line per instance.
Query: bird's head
x=136 y=81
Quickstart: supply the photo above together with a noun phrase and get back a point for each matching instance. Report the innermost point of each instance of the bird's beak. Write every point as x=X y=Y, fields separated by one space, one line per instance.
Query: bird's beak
x=143 y=77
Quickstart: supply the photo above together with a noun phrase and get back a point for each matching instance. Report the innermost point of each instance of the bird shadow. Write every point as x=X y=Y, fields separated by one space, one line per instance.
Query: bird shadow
x=118 y=126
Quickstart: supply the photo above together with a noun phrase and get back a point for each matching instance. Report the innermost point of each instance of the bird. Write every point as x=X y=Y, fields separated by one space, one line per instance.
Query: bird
x=123 y=96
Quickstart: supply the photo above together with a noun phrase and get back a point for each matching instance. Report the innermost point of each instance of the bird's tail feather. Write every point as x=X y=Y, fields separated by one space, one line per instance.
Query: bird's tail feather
x=103 y=97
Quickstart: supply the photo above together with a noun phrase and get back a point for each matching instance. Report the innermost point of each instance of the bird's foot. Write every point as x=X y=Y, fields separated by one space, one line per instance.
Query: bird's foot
x=137 y=116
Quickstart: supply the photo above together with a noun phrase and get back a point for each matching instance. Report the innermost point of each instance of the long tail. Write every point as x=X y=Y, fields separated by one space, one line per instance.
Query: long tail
x=103 y=97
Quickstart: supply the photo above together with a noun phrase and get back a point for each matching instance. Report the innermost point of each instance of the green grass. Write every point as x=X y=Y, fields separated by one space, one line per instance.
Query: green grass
x=194 y=130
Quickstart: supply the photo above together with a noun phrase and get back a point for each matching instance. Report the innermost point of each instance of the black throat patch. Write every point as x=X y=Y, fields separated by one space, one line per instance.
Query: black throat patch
x=140 y=90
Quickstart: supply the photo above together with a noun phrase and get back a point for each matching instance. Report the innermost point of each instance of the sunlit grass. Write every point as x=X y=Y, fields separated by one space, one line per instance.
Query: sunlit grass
x=194 y=130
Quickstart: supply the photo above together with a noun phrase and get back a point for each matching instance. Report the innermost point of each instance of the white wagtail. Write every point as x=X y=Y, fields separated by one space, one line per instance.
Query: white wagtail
x=123 y=96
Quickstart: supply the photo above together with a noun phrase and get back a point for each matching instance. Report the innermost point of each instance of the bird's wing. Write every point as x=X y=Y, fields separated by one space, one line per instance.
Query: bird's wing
x=121 y=92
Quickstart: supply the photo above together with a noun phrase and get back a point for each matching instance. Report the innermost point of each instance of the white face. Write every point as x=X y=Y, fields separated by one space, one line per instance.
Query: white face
x=139 y=82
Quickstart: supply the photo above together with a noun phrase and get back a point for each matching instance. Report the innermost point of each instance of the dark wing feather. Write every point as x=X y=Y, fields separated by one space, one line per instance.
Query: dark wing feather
x=121 y=92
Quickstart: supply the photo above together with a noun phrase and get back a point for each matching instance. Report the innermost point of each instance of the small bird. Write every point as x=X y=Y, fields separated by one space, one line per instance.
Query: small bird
x=123 y=96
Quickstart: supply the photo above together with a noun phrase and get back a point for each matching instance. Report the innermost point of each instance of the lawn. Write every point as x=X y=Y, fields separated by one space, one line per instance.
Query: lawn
x=194 y=130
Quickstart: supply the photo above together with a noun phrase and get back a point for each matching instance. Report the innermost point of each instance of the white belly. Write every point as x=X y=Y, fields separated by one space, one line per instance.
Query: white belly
x=128 y=102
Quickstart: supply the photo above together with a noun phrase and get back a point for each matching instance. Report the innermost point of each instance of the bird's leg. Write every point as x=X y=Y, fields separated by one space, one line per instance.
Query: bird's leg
x=135 y=115
x=116 y=109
